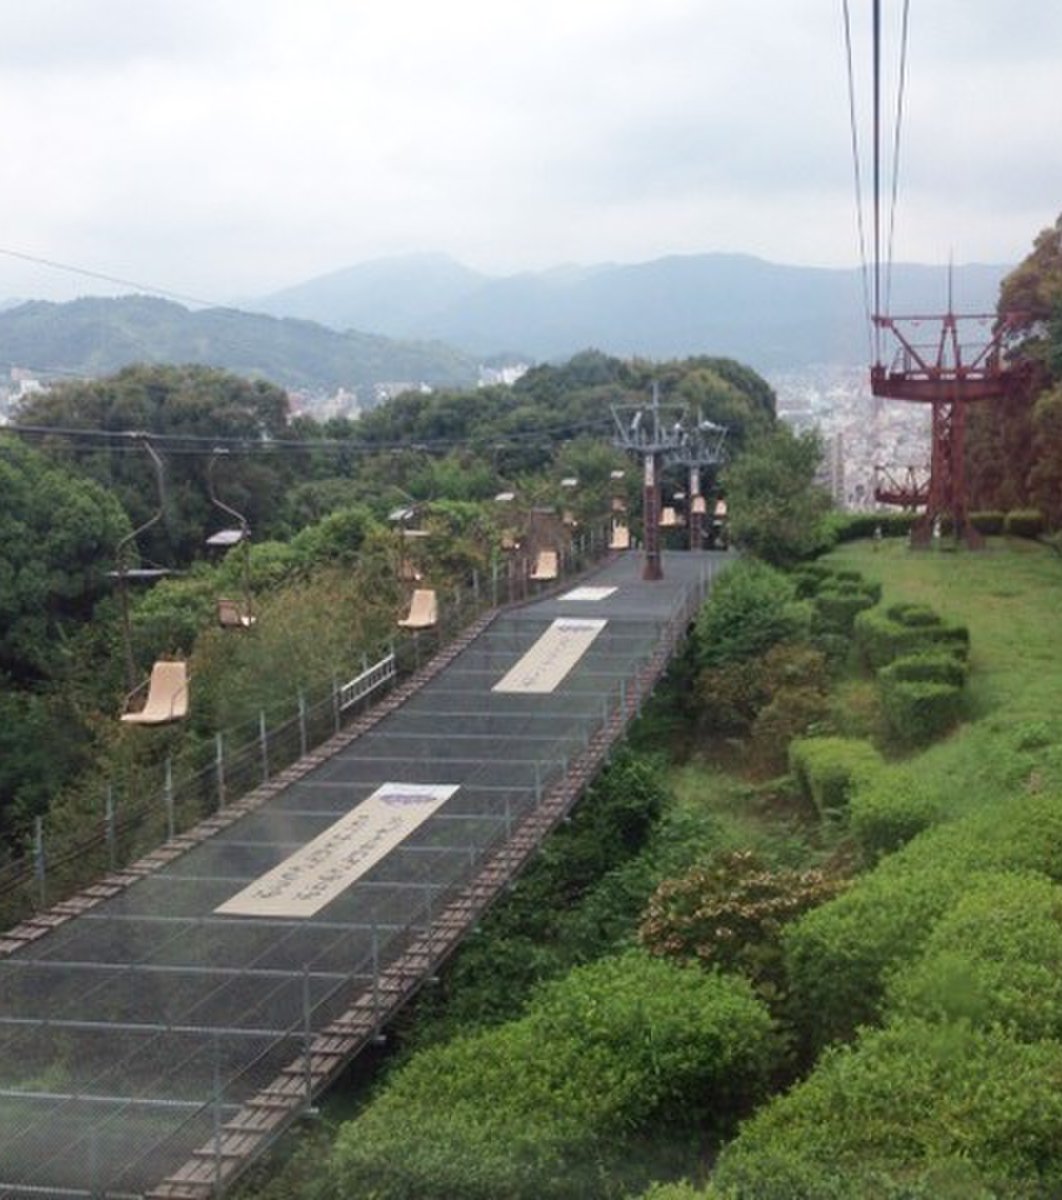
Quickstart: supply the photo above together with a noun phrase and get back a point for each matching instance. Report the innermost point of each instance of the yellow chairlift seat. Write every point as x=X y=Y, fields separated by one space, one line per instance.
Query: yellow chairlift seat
x=700 y=505
x=423 y=610
x=546 y=565
x=668 y=518
x=619 y=505
x=167 y=695
x=234 y=615
x=509 y=540
x=621 y=538
x=720 y=508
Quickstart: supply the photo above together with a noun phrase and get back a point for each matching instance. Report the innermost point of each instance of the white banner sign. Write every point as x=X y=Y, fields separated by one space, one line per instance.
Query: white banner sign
x=313 y=876
x=550 y=659
x=589 y=593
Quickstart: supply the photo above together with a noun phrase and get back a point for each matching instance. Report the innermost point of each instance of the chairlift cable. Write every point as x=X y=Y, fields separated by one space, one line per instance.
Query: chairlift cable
x=900 y=93
x=858 y=175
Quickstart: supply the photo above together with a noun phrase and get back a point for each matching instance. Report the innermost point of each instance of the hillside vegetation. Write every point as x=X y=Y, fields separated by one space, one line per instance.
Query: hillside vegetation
x=894 y=909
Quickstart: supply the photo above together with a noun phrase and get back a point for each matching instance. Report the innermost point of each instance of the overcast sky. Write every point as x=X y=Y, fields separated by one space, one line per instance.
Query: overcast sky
x=227 y=148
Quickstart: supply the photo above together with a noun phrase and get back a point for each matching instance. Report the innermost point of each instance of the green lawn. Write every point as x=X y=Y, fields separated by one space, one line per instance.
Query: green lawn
x=1010 y=597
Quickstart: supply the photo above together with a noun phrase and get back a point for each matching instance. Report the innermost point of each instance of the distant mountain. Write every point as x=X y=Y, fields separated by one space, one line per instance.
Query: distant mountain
x=96 y=336
x=391 y=293
x=768 y=315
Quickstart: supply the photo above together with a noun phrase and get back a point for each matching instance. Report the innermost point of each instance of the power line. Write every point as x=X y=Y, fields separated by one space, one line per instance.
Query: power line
x=70 y=268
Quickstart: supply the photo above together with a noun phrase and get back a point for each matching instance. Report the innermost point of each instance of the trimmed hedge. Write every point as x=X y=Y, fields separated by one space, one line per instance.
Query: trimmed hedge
x=888 y=811
x=990 y=523
x=835 y=609
x=919 y=711
x=930 y=666
x=916 y=1111
x=905 y=629
x=994 y=959
x=850 y=527
x=1024 y=522
x=838 y=955
x=829 y=768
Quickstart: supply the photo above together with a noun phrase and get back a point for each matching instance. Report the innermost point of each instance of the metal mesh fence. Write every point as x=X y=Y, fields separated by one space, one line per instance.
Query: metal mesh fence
x=134 y=1036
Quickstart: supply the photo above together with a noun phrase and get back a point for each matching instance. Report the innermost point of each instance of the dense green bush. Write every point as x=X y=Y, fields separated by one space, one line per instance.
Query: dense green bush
x=809 y=577
x=729 y=913
x=829 y=768
x=842 y=527
x=552 y=1105
x=888 y=810
x=838 y=955
x=994 y=959
x=538 y=930
x=990 y=523
x=913 y=1112
x=1024 y=522
x=751 y=608
x=919 y=711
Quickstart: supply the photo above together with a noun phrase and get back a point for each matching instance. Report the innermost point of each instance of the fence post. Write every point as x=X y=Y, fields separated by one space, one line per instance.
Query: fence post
x=375 y=978
x=108 y=825
x=167 y=794
x=335 y=701
x=217 y=1117
x=302 y=724
x=475 y=589
x=219 y=767
x=39 y=869
x=494 y=583
x=263 y=738
x=307 y=1035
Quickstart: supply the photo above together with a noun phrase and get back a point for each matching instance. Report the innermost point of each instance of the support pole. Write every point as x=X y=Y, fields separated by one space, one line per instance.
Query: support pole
x=219 y=767
x=652 y=569
x=109 y=830
x=167 y=795
x=263 y=743
x=39 y=868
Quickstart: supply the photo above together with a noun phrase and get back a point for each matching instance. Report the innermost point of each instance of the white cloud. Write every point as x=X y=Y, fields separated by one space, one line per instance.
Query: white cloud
x=227 y=149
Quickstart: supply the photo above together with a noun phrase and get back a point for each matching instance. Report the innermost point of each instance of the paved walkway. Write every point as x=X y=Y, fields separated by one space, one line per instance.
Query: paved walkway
x=152 y=1045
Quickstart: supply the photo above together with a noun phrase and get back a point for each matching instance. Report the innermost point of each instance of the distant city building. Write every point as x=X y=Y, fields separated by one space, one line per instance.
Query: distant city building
x=507 y=375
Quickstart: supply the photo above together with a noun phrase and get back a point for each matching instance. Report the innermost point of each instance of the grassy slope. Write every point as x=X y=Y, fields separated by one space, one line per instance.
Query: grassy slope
x=1009 y=596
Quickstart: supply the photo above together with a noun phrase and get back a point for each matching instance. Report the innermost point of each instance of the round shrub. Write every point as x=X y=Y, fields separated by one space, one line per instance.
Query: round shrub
x=995 y=958
x=914 y=1111
x=547 y=1106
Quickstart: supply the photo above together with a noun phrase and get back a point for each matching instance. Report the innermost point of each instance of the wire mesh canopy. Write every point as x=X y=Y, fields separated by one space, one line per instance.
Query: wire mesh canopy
x=143 y=1034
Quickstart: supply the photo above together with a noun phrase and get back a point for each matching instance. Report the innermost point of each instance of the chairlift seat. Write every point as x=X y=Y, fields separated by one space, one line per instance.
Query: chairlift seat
x=167 y=695
x=668 y=518
x=621 y=538
x=225 y=537
x=619 y=505
x=546 y=565
x=233 y=615
x=423 y=610
x=700 y=505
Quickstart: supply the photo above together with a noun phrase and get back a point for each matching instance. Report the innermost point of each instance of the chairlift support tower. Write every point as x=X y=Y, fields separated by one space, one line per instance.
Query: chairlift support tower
x=948 y=373
x=662 y=436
